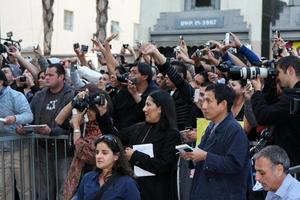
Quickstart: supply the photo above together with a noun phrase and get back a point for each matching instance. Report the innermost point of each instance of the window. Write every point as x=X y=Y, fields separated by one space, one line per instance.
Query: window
x=202 y=3
x=68 y=20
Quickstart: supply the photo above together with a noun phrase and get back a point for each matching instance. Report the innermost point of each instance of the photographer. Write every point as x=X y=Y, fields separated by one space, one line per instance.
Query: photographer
x=285 y=127
x=85 y=107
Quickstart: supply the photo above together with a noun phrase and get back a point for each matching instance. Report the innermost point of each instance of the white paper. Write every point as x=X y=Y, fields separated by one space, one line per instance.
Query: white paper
x=146 y=149
x=35 y=126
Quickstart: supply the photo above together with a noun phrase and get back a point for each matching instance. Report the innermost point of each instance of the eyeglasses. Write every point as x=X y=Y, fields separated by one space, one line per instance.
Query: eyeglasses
x=110 y=139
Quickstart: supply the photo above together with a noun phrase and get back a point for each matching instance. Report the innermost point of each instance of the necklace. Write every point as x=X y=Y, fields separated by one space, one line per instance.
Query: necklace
x=146 y=135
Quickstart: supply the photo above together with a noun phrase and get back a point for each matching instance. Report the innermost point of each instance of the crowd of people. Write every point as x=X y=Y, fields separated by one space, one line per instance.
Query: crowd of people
x=124 y=121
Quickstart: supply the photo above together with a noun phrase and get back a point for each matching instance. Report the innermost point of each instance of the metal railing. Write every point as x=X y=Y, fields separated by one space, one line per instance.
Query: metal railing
x=35 y=165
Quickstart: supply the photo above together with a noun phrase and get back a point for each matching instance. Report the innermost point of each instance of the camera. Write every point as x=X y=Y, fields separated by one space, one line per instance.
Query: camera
x=76 y=45
x=176 y=49
x=123 y=78
x=201 y=52
x=84 y=48
x=99 y=99
x=82 y=104
x=22 y=78
x=237 y=72
x=210 y=45
x=125 y=46
x=227 y=39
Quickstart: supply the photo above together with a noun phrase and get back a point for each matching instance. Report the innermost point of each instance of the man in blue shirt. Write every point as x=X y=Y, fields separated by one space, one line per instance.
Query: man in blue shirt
x=14 y=110
x=222 y=158
x=272 y=164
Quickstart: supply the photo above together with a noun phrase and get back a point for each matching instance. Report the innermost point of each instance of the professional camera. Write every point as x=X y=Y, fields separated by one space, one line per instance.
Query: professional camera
x=82 y=104
x=295 y=101
x=123 y=78
x=237 y=72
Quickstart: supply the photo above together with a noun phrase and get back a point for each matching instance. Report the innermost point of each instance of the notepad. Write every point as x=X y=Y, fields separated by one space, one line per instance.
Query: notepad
x=146 y=149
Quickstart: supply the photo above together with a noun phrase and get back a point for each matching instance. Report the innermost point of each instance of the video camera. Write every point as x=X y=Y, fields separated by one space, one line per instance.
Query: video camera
x=82 y=104
x=8 y=42
x=237 y=72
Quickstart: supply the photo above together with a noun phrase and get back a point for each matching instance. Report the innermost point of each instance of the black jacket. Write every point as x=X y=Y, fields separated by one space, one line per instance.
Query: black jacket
x=162 y=186
x=126 y=111
x=285 y=127
x=163 y=164
x=183 y=96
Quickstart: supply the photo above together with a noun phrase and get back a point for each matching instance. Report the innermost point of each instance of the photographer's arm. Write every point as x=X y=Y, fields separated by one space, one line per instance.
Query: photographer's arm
x=27 y=65
x=81 y=56
x=41 y=59
x=132 y=52
x=111 y=62
x=236 y=61
x=64 y=114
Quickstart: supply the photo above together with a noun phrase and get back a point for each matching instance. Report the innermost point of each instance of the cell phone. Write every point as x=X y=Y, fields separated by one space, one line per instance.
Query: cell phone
x=180 y=37
x=176 y=49
x=227 y=38
x=125 y=46
x=213 y=69
x=184 y=148
x=76 y=45
x=277 y=33
x=84 y=48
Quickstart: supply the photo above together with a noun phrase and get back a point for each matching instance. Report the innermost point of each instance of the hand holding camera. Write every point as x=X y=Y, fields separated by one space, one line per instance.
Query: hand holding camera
x=234 y=41
x=13 y=51
x=37 y=50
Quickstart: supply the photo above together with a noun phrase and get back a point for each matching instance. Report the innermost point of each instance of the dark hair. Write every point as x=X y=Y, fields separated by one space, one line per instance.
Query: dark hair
x=180 y=67
x=145 y=69
x=222 y=92
x=121 y=166
x=166 y=103
x=242 y=82
x=285 y=62
x=39 y=74
x=60 y=70
x=276 y=155
x=3 y=78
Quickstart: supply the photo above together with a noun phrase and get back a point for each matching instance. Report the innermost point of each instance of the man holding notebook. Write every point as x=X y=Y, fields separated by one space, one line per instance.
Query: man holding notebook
x=222 y=158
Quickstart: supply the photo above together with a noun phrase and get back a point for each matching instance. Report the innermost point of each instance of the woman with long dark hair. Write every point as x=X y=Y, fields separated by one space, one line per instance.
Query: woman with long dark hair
x=113 y=177
x=160 y=130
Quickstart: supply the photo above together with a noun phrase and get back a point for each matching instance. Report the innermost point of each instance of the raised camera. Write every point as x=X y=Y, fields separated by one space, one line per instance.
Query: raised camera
x=22 y=78
x=99 y=99
x=84 y=48
x=76 y=45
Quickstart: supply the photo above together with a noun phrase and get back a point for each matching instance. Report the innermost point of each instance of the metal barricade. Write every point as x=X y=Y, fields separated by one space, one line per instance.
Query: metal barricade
x=35 y=165
x=295 y=171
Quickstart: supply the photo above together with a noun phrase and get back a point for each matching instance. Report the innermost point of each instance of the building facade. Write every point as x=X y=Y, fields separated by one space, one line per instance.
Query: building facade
x=74 y=21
